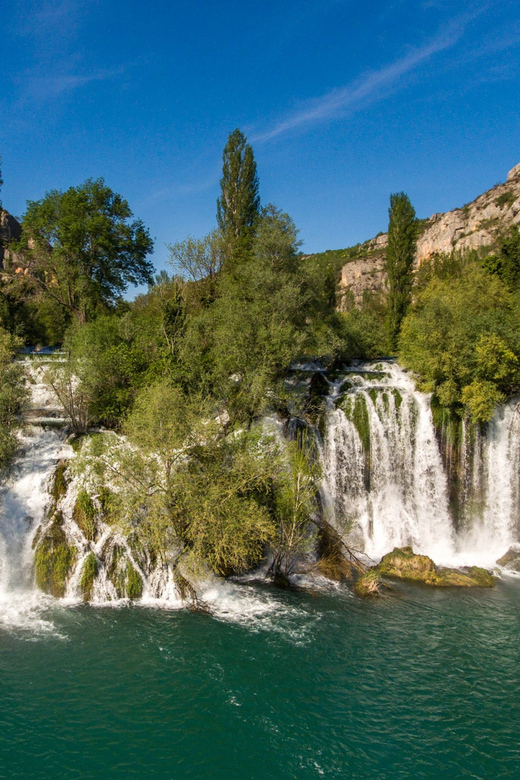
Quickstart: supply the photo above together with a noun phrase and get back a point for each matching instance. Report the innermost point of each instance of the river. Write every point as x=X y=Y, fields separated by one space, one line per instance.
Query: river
x=422 y=684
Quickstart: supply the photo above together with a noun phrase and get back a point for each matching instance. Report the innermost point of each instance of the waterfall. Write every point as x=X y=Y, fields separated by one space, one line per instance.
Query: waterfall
x=23 y=502
x=387 y=484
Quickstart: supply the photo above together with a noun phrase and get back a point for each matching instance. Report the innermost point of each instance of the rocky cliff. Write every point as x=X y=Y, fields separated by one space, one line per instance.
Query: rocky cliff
x=10 y=230
x=475 y=225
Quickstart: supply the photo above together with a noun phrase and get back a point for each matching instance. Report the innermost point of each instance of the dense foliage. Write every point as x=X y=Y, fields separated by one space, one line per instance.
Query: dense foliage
x=81 y=250
x=462 y=339
x=239 y=203
x=13 y=395
x=400 y=257
x=184 y=376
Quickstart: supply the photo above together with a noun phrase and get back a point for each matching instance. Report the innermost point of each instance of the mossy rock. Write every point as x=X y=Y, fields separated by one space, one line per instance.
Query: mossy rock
x=398 y=398
x=84 y=515
x=402 y=563
x=59 y=484
x=89 y=572
x=361 y=420
x=123 y=575
x=107 y=500
x=355 y=408
x=511 y=560
x=474 y=577
x=369 y=584
x=54 y=559
x=134 y=582
x=114 y=568
x=145 y=555
x=76 y=440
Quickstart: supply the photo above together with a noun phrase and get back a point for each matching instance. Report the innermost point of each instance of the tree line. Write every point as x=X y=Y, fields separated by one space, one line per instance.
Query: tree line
x=190 y=369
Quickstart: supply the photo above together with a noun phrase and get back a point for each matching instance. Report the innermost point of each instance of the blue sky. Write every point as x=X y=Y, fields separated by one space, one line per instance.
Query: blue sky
x=344 y=103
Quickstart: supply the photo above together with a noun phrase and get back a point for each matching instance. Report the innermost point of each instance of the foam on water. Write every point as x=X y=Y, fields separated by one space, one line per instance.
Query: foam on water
x=23 y=501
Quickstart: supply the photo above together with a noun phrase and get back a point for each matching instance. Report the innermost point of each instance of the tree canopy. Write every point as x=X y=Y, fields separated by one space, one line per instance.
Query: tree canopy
x=81 y=248
x=239 y=203
x=400 y=254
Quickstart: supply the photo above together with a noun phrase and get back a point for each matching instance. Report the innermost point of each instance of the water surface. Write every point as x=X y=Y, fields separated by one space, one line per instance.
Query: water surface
x=421 y=685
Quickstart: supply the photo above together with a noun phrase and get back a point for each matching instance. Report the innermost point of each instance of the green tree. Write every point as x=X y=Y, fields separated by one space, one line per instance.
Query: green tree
x=13 y=395
x=400 y=255
x=239 y=203
x=82 y=250
x=257 y=325
x=506 y=262
x=197 y=258
x=461 y=339
x=295 y=494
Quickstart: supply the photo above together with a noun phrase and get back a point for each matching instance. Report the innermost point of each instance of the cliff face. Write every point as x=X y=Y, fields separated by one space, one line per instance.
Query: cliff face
x=10 y=230
x=473 y=226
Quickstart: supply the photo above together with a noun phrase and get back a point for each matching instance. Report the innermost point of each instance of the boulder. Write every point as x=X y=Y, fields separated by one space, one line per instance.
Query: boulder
x=511 y=560
x=402 y=563
x=369 y=584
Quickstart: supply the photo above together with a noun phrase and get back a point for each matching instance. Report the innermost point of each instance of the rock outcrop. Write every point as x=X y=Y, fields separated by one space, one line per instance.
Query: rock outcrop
x=511 y=560
x=10 y=230
x=403 y=564
x=475 y=225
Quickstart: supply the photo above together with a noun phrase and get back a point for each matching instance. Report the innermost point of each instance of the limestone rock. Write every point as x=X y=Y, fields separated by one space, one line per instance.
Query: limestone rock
x=475 y=225
x=514 y=173
x=10 y=230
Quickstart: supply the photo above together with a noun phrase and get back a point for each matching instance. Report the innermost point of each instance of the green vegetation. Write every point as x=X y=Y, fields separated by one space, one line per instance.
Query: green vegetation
x=59 y=485
x=461 y=339
x=506 y=262
x=368 y=584
x=400 y=256
x=84 y=515
x=123 y=575
x=181 y=378
x=13 y=396
x=134 y=582
x=506 y=199
x=239 y=203
x=80 y=251
x=89 y=571
x=403 y=563
x=54 y=558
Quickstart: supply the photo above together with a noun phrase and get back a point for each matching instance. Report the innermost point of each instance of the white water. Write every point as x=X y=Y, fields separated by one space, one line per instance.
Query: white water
x=23 y=501
x=398 y=495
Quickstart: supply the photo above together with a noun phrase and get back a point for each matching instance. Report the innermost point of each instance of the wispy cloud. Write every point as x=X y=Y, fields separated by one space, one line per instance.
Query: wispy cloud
x=45 y=88
x=369 y=87
x=50 y=21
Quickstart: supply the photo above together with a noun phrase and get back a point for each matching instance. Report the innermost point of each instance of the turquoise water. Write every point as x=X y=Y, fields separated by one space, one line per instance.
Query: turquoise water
x=424 y=684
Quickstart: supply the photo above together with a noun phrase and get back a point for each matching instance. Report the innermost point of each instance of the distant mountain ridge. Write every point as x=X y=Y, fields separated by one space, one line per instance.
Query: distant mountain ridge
x=475 y=225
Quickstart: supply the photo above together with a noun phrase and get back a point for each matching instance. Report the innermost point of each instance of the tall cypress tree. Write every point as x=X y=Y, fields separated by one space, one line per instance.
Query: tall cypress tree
x=239 y=204
x=400 y=256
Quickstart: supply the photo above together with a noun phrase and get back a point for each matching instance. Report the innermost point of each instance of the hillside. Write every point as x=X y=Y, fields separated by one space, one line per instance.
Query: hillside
x=473 y=226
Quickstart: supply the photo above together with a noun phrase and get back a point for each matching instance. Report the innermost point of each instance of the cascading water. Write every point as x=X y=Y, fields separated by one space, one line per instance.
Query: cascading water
x=385 y=478
x=23 y=501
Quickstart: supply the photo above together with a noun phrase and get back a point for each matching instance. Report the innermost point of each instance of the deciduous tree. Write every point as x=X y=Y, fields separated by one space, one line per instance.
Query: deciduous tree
x=82 y=249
